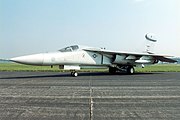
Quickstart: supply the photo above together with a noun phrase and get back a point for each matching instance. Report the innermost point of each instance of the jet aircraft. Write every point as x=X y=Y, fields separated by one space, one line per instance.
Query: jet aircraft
x=75 y=57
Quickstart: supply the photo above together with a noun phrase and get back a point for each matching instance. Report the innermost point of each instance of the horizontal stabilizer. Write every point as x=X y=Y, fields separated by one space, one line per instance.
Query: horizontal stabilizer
x=164 y=59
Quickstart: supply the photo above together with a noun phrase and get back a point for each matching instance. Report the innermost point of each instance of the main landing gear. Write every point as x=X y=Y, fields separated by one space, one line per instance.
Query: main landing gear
x=130 y=70
x=127 y=69
x=74 y=73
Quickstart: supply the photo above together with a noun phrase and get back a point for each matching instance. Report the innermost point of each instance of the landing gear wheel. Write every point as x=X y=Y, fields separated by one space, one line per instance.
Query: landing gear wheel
x=130 y=70
x=74 y=74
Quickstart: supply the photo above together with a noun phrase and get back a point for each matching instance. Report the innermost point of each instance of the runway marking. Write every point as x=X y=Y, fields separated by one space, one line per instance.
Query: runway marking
x=93 y=97
x=91 y=108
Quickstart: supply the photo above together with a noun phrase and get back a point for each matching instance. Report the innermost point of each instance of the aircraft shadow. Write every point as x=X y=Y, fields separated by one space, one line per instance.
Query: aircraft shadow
x=84 y=74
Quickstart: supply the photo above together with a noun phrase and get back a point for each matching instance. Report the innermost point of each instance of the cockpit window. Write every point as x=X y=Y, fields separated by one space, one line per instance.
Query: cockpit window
x=74 y=48
x=67 y=49
x=70 y=48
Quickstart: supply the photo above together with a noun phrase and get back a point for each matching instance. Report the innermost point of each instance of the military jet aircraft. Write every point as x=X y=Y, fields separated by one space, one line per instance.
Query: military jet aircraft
x=75 y=57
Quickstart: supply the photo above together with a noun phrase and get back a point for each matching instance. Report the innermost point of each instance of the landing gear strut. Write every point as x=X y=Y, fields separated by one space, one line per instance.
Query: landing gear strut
x=74 y=73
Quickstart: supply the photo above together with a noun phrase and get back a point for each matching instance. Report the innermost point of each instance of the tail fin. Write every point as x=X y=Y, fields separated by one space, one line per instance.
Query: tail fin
x=150 y=43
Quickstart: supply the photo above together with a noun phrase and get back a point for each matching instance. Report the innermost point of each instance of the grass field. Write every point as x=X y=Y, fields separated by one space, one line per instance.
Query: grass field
x=160 y=68
x=153 y=68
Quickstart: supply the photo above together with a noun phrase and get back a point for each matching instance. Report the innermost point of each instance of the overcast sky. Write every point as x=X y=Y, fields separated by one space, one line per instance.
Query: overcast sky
x=35 y=26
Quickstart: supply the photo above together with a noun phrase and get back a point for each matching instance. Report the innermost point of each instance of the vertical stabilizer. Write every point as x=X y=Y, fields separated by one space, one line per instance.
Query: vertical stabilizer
x=150 y=42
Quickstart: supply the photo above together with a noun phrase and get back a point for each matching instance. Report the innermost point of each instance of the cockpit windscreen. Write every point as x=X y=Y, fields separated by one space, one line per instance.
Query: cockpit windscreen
x=69 y=48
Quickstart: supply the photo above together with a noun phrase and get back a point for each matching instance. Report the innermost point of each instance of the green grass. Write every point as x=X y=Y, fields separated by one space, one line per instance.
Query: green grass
x=20 y=67
x=160 y=68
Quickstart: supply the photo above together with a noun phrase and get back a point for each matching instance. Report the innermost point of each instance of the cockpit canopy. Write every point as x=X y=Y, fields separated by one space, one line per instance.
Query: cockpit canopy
x=70 y=48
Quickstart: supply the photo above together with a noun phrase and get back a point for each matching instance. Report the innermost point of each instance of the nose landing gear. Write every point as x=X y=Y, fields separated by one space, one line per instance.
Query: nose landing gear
x=74 y=73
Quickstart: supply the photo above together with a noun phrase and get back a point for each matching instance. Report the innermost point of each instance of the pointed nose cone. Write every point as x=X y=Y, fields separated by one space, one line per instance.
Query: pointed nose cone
x=36 y=59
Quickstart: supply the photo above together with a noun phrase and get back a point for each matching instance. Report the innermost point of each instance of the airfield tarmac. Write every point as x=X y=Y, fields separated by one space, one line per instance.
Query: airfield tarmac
x=96 y=96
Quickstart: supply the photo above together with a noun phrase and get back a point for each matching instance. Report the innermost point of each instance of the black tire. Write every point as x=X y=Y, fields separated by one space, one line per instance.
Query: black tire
x=130 y=70
x=74 y=74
